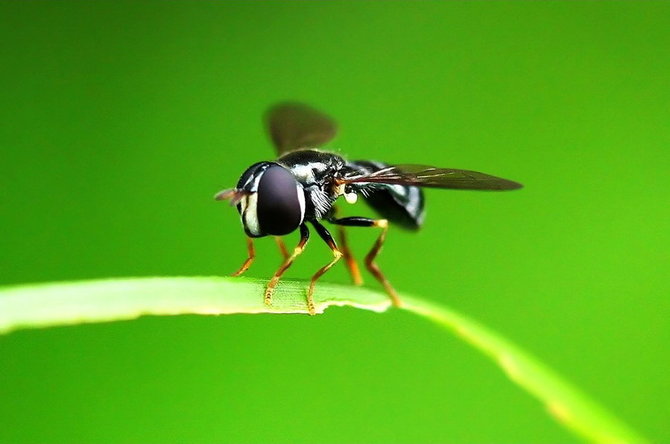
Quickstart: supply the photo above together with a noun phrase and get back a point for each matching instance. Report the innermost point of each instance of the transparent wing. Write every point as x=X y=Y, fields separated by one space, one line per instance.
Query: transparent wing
x=433 y=177
x=292 y=126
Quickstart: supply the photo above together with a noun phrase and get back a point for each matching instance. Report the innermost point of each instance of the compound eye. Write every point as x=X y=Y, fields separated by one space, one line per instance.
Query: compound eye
x=281 y=202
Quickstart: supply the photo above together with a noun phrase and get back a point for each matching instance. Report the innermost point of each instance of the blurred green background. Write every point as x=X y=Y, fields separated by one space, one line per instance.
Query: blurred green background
x=120 y=120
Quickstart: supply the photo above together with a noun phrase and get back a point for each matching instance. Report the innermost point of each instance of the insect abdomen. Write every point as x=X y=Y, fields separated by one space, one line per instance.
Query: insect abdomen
x=400 y=204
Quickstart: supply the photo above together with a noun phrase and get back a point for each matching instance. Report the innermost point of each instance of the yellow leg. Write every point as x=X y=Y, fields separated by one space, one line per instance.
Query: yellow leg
x=374 y=268
x=250 y=258
x=349 y=259
x=272 y=284
x=337 y=255
x=282 y=247
x=370 y=263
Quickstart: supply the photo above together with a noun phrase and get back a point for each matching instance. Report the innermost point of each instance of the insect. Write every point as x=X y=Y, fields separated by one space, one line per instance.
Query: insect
x=303 y=184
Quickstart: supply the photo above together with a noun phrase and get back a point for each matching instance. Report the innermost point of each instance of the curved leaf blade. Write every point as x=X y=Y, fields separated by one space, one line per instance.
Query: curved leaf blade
x=69 y=303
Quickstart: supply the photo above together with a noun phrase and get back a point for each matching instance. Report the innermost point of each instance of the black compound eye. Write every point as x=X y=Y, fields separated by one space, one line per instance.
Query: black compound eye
x=280 y=208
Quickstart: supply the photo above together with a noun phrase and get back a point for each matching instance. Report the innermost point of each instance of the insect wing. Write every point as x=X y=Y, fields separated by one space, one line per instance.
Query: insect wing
x=292 y=126
x=433 y=177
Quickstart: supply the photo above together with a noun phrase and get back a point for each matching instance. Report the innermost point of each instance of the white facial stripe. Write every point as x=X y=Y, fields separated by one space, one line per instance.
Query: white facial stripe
x=249 y=214
x=257 y=179
x=301 y=199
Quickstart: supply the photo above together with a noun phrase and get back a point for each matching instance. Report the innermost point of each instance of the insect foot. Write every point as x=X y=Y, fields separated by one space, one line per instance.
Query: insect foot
x=311 y=307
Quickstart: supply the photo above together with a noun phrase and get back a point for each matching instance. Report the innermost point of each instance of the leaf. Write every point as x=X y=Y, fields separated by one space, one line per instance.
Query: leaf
x=54 y=304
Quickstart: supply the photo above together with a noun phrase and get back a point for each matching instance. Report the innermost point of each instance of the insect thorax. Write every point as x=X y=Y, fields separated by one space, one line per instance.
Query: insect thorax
x=316 y=172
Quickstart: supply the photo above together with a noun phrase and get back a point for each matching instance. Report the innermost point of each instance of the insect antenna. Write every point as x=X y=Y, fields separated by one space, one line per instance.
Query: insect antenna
x=231 y=194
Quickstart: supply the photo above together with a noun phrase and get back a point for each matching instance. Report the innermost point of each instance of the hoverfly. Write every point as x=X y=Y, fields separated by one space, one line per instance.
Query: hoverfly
x=302 y=185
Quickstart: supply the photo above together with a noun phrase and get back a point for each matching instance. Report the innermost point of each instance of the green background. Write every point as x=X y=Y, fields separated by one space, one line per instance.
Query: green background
x=120 y=120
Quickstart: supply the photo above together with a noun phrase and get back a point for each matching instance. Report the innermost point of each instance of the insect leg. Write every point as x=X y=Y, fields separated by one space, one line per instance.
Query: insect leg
x=349 y=259
x=337 y=255
x=282 y=247
x=376 y=248
x=304 y=237
x=252 y=254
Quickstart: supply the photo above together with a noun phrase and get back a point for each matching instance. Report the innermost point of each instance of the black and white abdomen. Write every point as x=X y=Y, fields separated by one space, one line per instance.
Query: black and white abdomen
x=400 y=204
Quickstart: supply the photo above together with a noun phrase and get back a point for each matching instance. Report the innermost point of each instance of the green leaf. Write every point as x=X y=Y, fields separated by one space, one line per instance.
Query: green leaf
x=54 y=304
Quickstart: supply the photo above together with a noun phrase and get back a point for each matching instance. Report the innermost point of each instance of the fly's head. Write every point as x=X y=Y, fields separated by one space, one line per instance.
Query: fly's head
x=269 y=199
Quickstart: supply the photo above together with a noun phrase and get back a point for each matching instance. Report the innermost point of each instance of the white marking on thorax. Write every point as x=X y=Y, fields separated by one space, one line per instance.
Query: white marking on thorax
x=305 y=173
